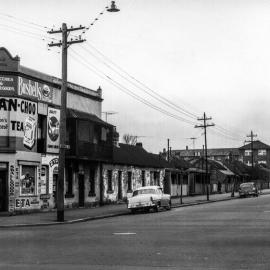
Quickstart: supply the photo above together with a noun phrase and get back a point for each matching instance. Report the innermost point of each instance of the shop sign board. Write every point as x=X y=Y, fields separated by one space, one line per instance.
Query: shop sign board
x=37 y=90
x=26 y=202
x=53 y=125
x=18 y=118
x=8 y=83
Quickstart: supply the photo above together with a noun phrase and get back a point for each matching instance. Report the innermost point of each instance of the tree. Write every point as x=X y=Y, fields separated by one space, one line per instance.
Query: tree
x=130 y=139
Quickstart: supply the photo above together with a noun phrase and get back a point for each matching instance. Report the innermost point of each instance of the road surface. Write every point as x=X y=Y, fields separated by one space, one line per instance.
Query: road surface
x=224 y=235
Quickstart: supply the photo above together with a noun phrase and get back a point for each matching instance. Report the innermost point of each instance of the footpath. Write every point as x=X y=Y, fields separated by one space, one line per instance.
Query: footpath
x=101 y=212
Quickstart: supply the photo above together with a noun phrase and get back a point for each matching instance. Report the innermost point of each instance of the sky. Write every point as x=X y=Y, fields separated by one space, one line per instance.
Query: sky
x=160 y=63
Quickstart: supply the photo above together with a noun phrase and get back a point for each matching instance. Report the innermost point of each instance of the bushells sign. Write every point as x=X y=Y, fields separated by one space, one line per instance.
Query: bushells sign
x=18 y=118
x=29 y=88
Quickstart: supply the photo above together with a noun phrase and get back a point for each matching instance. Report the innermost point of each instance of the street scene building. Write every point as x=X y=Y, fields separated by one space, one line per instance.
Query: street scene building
x=29 y=137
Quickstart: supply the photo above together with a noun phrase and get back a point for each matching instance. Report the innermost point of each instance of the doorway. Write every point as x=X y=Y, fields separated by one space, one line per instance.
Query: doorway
x=81 y=190
x=3 y=191
x=120 y=196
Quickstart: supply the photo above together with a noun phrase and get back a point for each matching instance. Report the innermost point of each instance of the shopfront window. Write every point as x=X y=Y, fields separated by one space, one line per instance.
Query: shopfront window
x=28 y=180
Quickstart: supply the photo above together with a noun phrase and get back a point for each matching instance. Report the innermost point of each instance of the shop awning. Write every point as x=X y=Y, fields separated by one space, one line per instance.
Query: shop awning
x=86 y=116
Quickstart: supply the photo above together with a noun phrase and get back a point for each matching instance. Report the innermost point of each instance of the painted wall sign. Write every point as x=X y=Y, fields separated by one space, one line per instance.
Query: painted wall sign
x=34 y=89
x=18 y=118
x=53 y=124
x=26 y=203
x=50 y=162
x=8 y=83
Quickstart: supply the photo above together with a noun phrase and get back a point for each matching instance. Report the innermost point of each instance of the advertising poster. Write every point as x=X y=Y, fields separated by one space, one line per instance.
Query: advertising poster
x=53 y=129
x=18 y=118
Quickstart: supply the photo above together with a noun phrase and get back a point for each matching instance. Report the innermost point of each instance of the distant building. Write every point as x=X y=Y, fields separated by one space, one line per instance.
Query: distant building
x=218 y=154
x=261 y=153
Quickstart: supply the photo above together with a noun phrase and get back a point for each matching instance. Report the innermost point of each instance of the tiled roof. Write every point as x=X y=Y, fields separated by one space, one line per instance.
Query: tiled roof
x=133 y=155
x=256 y=145
x=179 y=163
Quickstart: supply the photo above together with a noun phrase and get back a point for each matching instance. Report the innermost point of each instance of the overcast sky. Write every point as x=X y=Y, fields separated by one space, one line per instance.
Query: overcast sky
x=208 y=56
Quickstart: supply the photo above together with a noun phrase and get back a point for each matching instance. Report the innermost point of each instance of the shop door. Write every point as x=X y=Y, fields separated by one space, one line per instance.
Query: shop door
x=81 y=190
x=3 y=191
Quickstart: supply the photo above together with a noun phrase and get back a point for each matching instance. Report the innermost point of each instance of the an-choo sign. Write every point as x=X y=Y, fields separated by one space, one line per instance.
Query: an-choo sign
x=29 y=88
x=18 y=118
x=53 y=124
x=7 y=83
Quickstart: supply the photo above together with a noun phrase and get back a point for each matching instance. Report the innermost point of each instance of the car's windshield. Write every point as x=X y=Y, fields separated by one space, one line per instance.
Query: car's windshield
x=145 y=191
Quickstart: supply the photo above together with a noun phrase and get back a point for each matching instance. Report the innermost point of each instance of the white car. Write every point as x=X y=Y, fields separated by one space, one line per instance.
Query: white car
x=149 y=197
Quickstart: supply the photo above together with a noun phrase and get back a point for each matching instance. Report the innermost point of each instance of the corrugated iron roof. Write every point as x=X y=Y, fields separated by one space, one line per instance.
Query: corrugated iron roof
x=137 y=156
x=86 y=116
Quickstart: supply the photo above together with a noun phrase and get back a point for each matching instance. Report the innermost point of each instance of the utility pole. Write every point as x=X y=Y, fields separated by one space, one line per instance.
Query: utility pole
x=108 y=113
x=168 y=150
x=193 y=141
x=251 y=136
x=205 y=125
x=61 y=164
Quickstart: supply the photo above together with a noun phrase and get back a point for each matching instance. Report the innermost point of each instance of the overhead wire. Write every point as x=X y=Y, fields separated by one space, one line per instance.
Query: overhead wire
x=156 y=97
x=140 y=85
x=129 y=92
x=168 y=102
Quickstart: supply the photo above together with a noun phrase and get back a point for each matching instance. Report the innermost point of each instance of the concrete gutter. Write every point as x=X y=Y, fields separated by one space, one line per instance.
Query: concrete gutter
x=123 y=213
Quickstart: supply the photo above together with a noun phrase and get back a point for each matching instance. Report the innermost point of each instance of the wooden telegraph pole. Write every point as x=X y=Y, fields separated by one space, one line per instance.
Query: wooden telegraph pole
x=251 y=136
x=204 y=126
x=61 y=164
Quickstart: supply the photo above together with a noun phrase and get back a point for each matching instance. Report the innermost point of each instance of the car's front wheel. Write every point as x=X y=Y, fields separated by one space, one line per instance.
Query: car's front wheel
x=156 y=208
x=169 y=206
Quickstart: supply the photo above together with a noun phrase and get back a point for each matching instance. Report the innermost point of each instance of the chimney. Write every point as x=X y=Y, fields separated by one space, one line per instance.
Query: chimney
x=139 y=144
x=186 y=147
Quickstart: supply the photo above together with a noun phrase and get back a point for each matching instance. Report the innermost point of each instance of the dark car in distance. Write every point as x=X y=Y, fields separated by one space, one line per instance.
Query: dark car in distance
x=248 y=189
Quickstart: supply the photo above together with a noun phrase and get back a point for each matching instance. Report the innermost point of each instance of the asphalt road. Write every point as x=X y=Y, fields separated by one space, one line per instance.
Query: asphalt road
x=224 y=235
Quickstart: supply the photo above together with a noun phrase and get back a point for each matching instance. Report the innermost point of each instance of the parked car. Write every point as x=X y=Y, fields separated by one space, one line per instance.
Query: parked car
x=149 y=197
x=248 y=189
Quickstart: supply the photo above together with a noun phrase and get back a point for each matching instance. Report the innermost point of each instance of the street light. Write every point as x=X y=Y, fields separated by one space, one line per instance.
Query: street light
x=113 y=7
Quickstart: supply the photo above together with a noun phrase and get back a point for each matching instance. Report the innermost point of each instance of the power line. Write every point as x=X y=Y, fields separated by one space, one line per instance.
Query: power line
x=222 y=130
x=151 y=93
x=130 y=93
x=25 y=21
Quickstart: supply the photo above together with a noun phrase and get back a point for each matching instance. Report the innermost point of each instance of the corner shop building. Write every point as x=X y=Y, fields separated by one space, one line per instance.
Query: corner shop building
x=29 y=139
